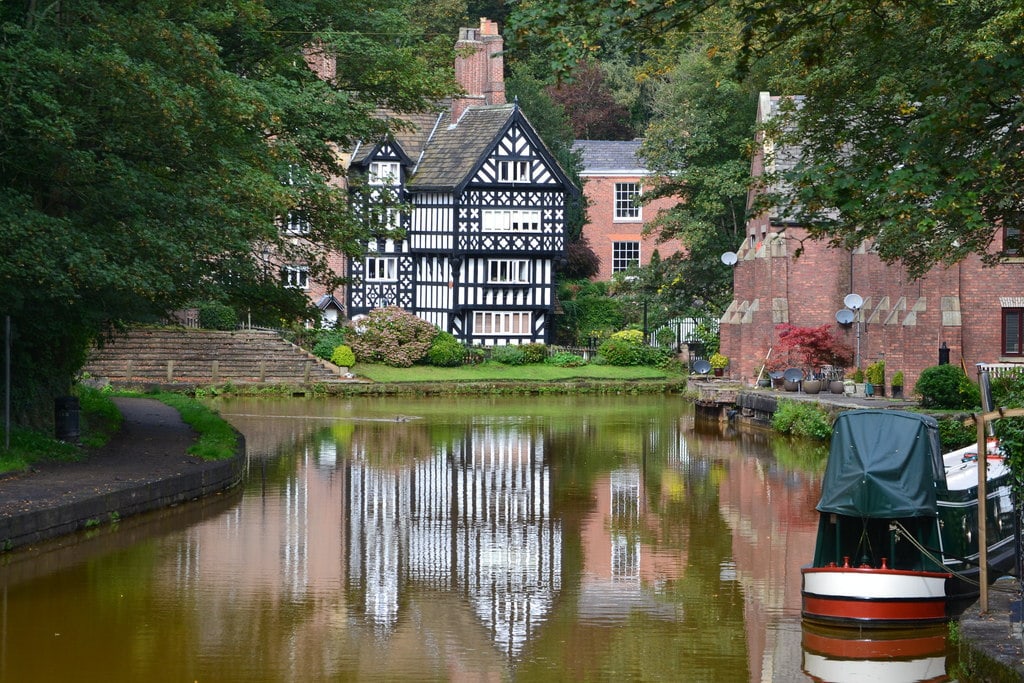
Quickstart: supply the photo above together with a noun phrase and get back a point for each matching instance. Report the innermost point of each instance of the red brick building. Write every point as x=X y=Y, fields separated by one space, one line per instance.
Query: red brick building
x=613 y=176
x=976 y=311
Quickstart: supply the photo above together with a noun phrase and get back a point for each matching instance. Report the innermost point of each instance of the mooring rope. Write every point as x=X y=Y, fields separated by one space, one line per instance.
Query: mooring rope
x=928 y=552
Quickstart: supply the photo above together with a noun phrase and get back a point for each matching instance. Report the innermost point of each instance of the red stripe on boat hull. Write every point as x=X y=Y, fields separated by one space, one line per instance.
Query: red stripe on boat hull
x=874 y=610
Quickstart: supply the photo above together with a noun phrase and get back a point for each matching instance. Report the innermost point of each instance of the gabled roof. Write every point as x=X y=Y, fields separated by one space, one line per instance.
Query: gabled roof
x=611 y=157
x=455 y=149
x=410 y=132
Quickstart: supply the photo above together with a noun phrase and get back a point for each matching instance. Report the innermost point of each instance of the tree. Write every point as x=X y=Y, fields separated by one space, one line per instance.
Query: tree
x=909 y=127
x=148 y=152
x=592 y=110
x=697 y=147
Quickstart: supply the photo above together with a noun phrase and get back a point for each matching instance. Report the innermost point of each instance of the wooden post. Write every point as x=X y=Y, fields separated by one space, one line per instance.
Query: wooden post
x=215 y=371
x=982 y=516
x=170 y=370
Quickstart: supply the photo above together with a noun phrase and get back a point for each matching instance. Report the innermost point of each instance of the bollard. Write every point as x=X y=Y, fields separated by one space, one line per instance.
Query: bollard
x=66 y=412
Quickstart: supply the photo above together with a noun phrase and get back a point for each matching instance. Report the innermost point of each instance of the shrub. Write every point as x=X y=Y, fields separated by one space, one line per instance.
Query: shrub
x=564 y=359
x=897 y=379
x=391 y=336
x=343 y=356
x=214 y=315
x=618 y=351
x=946 y=386
x=446 y=351
x=327 y=342
x=802 y=419
x=666 y=336
x=876 y=373
x=509 y=355
x=955 y=434
x=719 y=361
x=858 y=376
x=635 y=337
x=535 y=353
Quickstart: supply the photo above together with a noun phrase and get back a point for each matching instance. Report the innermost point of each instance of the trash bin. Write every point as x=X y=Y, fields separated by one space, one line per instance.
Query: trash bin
x=66 y=411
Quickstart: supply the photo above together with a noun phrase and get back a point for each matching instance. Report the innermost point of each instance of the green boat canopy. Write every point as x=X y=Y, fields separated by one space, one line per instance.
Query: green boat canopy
x=883 y=463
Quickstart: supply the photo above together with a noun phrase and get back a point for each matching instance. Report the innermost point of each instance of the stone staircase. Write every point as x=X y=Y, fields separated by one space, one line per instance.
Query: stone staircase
x=177 y=356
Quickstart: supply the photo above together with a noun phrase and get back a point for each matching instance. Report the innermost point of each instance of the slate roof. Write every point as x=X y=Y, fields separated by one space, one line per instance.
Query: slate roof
x=619 y=157
x=455 y=150
x=410 y=131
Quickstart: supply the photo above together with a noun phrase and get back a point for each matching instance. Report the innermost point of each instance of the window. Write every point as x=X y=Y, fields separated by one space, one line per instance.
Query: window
x=514 y=171
x=625 y=255
x=385 y=173
x=508 y=271
x=506 y=220
x=295 y=276
x=297 y=223
x=502 y=322
x=1013 y=332
x=1013 y=242
x=627 y=196
x=381 y=269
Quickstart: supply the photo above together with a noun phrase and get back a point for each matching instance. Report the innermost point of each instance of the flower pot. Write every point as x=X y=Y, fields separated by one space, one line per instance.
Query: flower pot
x=812 y=386
x=764 y=383
x=719 y=372
x=869 y=389
x=837 y=386
x=897 y=391
x=790 y=386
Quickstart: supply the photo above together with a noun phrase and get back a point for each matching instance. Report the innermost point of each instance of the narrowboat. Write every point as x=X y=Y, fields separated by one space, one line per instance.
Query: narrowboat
x=897 y=531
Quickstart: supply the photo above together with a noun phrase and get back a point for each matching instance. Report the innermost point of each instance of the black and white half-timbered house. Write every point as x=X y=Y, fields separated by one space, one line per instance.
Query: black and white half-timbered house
x=477 y=206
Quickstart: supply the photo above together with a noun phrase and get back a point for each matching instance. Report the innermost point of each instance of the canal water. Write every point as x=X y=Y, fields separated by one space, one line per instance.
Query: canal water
x=461 y=539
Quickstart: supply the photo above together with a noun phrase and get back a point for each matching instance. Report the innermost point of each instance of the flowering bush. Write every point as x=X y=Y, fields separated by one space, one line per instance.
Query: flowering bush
x=391 y=336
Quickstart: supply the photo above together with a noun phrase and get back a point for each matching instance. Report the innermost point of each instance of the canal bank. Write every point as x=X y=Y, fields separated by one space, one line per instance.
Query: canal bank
x=146 y=466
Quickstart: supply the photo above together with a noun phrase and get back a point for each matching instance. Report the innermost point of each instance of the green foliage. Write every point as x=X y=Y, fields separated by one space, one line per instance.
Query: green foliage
x=343 y=356
x=718 y=361
x=857 y=376
x=897 y=379
x=146 y=153
x=391 y=336
x=946 y=386
x=509 y=355
x=666 y=337
x=327 y=341
x=619 y=351
x=954 y=434
x=535 y=353
x=587 y=310
x=565 y=359
x=875 y=373
x=446 y=351
x=218 y=440
x=1008 y=392
x=214 y=315
x=635 y=337
x=800 y=418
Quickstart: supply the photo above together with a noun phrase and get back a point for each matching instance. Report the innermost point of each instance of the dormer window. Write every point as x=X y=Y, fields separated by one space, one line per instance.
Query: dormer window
x=514 y=171
x=385 y=173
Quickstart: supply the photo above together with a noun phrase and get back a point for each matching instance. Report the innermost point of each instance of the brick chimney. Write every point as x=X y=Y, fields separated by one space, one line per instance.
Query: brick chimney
x=479 y=67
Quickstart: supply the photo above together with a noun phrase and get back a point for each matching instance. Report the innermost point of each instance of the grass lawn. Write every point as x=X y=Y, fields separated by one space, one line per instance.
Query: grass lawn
x=497 y=372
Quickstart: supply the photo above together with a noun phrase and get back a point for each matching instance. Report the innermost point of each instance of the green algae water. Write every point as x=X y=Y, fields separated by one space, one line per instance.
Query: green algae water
x=457 y=539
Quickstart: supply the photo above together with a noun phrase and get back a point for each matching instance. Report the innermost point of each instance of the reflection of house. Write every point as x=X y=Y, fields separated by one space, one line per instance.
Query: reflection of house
x=978 y=312
x=614 y=178
x=471 y=208
x=475 y=518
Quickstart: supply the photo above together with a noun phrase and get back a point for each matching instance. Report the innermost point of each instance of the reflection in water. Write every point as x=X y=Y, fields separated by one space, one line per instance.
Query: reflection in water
x=497 y=539
x=901 y=656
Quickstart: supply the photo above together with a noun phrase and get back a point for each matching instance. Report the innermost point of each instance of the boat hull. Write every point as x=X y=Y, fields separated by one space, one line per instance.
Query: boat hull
x=877 y=597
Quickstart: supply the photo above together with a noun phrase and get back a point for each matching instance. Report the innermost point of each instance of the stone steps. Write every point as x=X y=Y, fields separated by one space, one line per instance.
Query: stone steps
x=189 y=356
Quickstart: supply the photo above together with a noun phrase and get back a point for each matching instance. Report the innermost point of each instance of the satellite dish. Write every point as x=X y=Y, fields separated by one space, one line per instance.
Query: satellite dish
x=729 y=258
x=702 y=367
x=778 y=374
x=844 y=316
x=853 y=301
x=793 y=375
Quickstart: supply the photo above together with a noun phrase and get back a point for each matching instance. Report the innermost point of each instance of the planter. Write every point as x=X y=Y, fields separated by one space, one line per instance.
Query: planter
x=869 y=389
x=790 y=386
x=837 y=386
x=719 y=372
x=764 y=383
x=812 y=386
x=897 y=391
